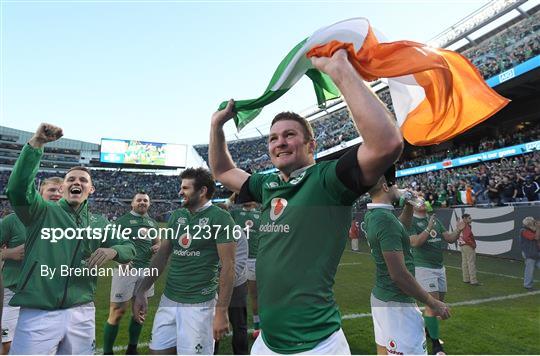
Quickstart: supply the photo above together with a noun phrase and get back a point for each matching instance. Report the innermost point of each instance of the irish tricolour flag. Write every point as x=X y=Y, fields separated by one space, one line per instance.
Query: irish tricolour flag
x=437 y=94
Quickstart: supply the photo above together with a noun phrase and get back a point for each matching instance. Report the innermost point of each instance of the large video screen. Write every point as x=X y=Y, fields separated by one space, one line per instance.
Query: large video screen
x=142 y=153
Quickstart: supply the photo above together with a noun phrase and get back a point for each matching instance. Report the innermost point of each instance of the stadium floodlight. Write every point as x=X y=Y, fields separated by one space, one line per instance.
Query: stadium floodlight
x=474 y=21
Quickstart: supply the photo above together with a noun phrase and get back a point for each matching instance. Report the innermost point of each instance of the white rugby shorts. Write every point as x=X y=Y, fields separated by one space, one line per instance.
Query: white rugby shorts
x=188 y=327
x=335 y=344
x=122 y=287
x=9 y=317
x=399 y=327
x=431 y=279
x=69 y=331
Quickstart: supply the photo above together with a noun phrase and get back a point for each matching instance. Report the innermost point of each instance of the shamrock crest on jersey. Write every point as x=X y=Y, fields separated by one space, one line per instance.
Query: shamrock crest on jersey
x=277 y=208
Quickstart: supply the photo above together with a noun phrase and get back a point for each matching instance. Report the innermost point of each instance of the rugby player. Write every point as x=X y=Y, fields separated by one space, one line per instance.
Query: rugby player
x=249 y=217
x=305 y=213
x=428 y=239
x=57 y=312
x=13 y=235
x=199 y=237
x=237 y=310
x=139 y=224
x=397 y=320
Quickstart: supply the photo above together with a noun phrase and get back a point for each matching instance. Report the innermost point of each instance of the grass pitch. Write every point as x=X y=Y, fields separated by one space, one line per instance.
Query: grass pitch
x=500 y=317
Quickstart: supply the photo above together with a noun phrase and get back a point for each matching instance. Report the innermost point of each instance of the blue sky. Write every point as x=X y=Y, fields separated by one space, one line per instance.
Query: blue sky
x=157 y=70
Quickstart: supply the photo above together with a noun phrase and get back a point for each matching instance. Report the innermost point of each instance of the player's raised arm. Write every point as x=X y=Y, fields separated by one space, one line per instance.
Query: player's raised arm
x=21 y=190
x=420 y=238
x=382 y=141
x=451 y=237
x=220 y=160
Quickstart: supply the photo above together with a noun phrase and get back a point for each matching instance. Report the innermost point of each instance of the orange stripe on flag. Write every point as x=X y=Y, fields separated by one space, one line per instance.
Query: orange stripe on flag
x=456 y=96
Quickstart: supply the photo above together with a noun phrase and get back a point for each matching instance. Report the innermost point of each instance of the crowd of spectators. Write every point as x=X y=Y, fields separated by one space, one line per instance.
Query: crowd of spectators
x=514 y=179
x=507 y=180
x=508 y=48
x=492 y=56
x=522 y=134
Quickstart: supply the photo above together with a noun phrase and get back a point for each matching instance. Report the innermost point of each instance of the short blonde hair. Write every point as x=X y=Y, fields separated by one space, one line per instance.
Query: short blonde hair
x=51 y=180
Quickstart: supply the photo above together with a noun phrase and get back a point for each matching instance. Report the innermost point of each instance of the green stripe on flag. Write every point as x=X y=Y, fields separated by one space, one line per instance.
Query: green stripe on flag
x=325 y=89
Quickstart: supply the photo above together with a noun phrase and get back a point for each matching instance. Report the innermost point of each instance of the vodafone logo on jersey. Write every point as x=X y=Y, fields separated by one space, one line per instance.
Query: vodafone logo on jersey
x=184 y=241
x=277 y=207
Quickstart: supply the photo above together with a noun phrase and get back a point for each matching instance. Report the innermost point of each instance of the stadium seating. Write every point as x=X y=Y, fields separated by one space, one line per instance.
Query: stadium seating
x=492 y=55
x=508 y=48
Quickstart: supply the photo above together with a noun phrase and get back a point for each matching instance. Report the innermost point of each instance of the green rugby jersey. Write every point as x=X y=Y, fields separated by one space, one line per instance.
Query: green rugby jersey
x=39 y=216
x=143 y=246
x=249 y=219
x=193 y=270
x=430 y=254
x=303 y=232
x=12 y=234
x=386 y=233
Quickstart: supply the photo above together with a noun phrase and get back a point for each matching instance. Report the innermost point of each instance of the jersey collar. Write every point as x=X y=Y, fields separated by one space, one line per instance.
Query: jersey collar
x=379 y=206
x=138 y=215
x=419 y=217
x=296 y=173
x=204 y=207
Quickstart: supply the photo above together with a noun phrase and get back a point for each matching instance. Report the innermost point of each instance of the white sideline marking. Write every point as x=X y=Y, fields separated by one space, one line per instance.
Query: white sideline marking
x=492 y=273
x=367 y=315
x=448 y=266
x=455 y=304
x=349 y=263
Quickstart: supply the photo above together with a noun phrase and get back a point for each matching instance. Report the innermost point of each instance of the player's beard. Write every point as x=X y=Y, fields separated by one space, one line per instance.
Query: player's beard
x=191 y=202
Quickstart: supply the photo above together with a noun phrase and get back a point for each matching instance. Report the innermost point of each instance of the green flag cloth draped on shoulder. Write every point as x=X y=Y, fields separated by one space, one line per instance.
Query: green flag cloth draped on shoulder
x=289 y=71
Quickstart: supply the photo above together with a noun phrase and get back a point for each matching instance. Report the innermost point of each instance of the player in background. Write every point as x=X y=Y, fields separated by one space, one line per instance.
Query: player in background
x=13 y=235
x=299 y=250
x=199 y=237
x=428 y=239
x=248 y=216
x=237 y=310
x=354 y=235
x=397 y=320
x=139 y=224
x=57 y=312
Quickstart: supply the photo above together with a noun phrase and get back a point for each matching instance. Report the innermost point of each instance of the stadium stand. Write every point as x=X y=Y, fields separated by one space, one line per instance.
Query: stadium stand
x=493 y=53
x=510 y=47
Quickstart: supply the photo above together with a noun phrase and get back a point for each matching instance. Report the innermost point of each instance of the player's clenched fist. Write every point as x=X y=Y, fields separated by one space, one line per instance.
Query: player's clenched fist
x=44 y=134
x=222 y=116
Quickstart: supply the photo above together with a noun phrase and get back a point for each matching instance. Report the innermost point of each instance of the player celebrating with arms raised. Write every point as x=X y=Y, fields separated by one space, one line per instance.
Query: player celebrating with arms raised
x=57 y=311
x=299 y=249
